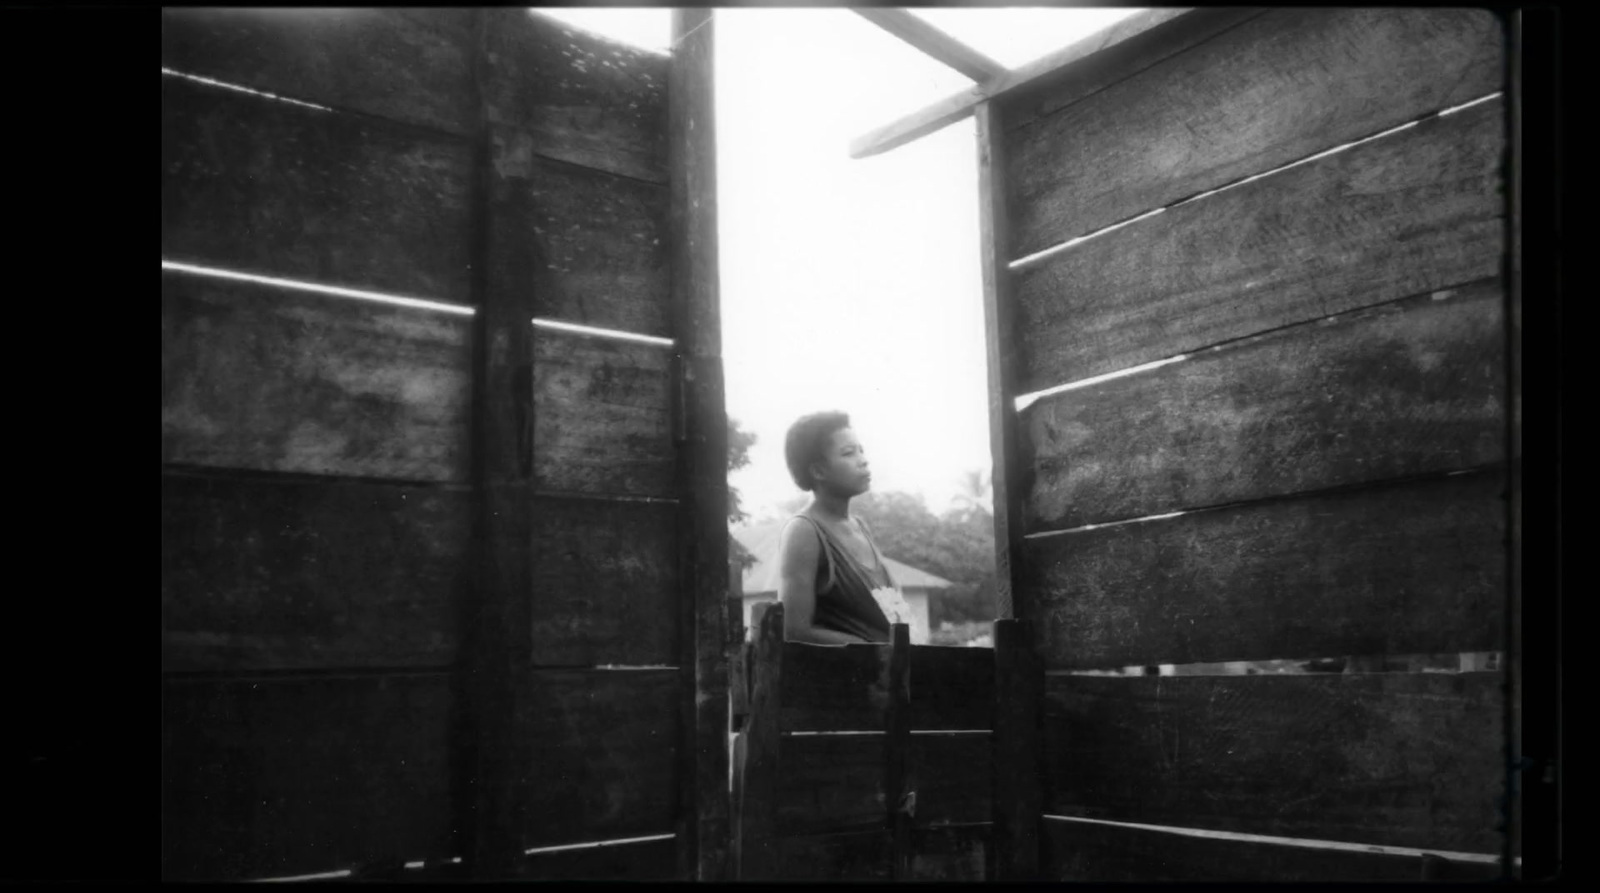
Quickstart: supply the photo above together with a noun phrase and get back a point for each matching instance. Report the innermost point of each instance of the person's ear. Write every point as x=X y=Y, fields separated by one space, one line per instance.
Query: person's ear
x=818 y=472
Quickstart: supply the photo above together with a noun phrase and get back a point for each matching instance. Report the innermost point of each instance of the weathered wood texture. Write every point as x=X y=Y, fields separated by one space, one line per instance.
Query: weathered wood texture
x=952 y=688
x=263 y=378
x=831 y=783
x=601 y=416
x=1082 y=851
x=576 y=97
x=1408 y=568
x=277 y=573
x=1018 y=803
x=952 y=778
x=898 y=793
x=848 y=856
x=603 y=754
x=1276 y=89
x=1000 y=360
x=269 y=777
x=922 y=35
x=1406 y=388
x=1403 y=215
x=837 y=689
x=267 y=187
x=702 y=439
x=958 y=853
x=604 y=583
x=408 y=65
x=759 y=782
x=591 y=246
x=647 y=860
x=1399 y=759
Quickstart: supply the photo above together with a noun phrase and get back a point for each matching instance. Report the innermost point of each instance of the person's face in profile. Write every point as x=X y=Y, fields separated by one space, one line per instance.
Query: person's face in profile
x=844 y=468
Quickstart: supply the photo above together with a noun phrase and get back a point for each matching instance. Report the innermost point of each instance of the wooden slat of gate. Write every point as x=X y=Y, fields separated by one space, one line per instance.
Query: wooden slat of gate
x=1078 y=851
x=1404 y=568
x=647 y=860
x=830 y=783
x=603 y=754
x=952 y=778
x=269 y=777
x=1397 y=759
x=950 y=853
x=576 y=97
x=1408 y=388
x=1278 y=88
x=602 y=416
x=253 y=184
x=605 y=583
x=834 y=689
x=846 y=856
x=952 y=688
x=273 y=573
x=409 y=65
x=263 y=378
x=1412 y=212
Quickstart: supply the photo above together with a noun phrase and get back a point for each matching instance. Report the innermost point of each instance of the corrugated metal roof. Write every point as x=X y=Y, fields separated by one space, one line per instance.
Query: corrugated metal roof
x=762 y=541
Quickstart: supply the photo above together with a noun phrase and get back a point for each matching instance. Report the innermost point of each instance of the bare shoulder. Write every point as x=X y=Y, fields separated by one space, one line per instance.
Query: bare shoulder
x=799 y=539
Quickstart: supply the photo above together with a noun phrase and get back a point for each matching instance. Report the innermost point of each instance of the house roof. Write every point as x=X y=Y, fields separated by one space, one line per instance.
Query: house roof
x=762 y=541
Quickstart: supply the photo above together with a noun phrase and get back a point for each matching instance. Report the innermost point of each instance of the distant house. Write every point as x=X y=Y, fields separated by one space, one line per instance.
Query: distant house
x=760 y=580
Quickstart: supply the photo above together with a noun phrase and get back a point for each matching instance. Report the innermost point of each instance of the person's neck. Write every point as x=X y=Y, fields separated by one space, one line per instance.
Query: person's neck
x=832 y=506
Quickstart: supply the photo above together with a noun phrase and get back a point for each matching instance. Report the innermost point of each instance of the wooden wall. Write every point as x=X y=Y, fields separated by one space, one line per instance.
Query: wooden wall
x=1320 y=471
x=403 y=547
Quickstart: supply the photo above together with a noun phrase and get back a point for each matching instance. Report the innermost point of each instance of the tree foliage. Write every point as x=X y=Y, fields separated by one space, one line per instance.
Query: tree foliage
x=739 y=443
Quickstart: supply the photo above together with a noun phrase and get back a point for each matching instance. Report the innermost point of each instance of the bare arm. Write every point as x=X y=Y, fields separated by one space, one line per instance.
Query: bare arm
x=797 y=588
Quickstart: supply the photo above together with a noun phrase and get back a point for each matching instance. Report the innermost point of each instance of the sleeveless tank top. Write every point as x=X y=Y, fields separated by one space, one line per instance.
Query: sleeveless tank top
x=844 y=601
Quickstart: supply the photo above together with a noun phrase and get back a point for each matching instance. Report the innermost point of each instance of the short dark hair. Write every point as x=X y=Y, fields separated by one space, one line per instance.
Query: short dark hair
x=805 y=442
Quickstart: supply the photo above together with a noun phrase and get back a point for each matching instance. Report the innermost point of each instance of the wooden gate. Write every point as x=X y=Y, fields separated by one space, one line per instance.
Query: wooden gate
x=1287 y=231
x=442 y=578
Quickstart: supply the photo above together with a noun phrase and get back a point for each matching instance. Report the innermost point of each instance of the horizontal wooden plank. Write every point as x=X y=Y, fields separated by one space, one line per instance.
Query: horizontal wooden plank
x=957 y=853
x=830 y=783
x=577 y=96
x=1278 y=88
x=1408 y=388
x=648 y=860
x=1397 y=759
x=1409 y=568
x=952 y=688
x=603 y=754
x=952 y=778
x=268 y=778
x=604 y=583
x=267 y=574
x=1080 y=851
x=853 y=856
x=598 y=242
x=1413 y=212
x=829 y=688
x=602 y=416
x=264 y=378
x=412 y=65
x=276 y=189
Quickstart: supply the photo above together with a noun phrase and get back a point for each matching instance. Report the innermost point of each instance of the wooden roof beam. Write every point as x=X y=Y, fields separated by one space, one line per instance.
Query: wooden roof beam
x=954 y=108
x=934 y=42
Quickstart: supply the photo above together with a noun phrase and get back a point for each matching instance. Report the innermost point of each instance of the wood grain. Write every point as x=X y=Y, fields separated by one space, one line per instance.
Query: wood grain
x=1408 y=388
x=1273 y=90
x=263 y=378
x=837 y=689
x=952 y=778
x=604 y=583
x=595 y=245
x=1407 y=568
x=1078 y=851
x=275 y=574
x=276 y=189
x=1398 y=759
x=849 y=856
x=952 y=688
x=576 y=96
x=412 y=66
x=760 y=782
x=603 y=754
x=951 y=854
x=1412 y=212
x=602 y=416
x=831 y=783
x=649 y=860
x=272 y=777
x=1018 y=802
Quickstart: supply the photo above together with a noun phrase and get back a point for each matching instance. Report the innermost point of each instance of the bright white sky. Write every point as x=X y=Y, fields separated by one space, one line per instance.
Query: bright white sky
x=847 y=284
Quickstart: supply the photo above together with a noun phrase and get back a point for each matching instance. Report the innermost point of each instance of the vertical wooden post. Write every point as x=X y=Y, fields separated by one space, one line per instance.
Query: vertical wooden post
x=1008 y=475
x=703 y=450
x=758 y=808
x=899 y=802
x=1018 y=800
x=498 y=653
